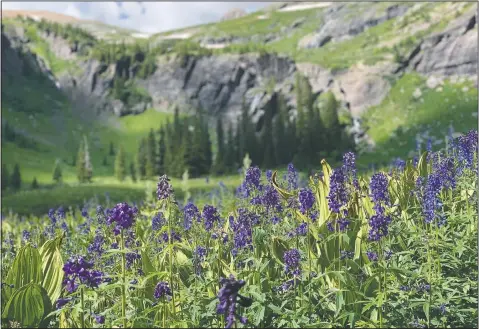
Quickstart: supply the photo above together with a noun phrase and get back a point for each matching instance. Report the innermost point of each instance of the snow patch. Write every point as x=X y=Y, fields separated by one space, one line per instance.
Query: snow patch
x=306 y=6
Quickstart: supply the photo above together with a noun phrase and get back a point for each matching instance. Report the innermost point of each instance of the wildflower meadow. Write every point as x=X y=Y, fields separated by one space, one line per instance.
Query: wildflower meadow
x=388 y=249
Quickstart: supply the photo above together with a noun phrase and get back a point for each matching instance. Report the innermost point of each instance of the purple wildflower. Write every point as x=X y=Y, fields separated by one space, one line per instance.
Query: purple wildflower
x=306 y=200
x=162 y=289
x=123 y=215
x=338 y=195
x=191 y=214
x=210 y=216
x=164 y=189
x=292 y=260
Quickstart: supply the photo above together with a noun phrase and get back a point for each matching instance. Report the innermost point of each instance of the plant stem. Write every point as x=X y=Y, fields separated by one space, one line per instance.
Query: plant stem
x=82 y=301
x=171 y=257
x=123 y=272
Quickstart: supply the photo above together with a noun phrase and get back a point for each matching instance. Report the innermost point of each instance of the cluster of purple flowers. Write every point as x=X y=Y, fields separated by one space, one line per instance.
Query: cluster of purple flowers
x=191 y=214
x=467 y=146
x=306 y=200
x=292 y=177
x=228 y=297
x=123 y=216
x=372 y=256
x=96 y=247
x=243 y=229
x=164 y=189
x=338 y=195
x=26 y=235
x=210 y=216
x=349 y=165
x=292 y=259
x=347 y=254
x=157 y=221
x=270 y=199
x=62 y=302
x=175 y=236
x=162 y=289
x=78 y=267
x=198 y=257
x=379 y=222
x=342 y=223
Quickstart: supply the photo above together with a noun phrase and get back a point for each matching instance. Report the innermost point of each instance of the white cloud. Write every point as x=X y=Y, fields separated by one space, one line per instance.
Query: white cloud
x=142 y=16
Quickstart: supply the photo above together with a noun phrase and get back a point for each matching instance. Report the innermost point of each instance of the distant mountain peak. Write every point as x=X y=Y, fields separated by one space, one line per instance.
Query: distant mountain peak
x=233 y=14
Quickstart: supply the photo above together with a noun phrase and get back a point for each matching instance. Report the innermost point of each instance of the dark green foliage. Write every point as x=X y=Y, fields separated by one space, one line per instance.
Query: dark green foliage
x=231 y=161
x=219 y=166
x=304 y=154
x=160 y=162
x=35 y=184
x=105 y=161
x=57 y=172
x=120 y=165
x=330 y=121
x=132 y=171
x=10 y=135
x=150 y=166
x=80 y=163
x=112 y=149
x=267 y=144
x=128 y=92
x=141 y=159
x=281 y=150
x=5 y=177
x=88 y=166
x=16 y=179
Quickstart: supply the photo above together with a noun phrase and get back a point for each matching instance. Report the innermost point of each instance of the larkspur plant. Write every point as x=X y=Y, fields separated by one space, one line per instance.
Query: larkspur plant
x=350 y=249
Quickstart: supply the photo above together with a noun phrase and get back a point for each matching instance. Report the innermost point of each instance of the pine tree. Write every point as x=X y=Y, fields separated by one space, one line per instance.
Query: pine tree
x=150 y=155
x=230 y=153
x=141 y=159
x=57 y=172
x=120 y=165
x=220 y=150
x=88 y=165
x=80 y=163
x=112 y=150
x=330 y=120
x=133 y=172
x=34 y=183
x=5 y=177
x=105 y=161
x=16 y=179
x=281 y=144
x=303 y=121
x=268 y=160
x=160 y=167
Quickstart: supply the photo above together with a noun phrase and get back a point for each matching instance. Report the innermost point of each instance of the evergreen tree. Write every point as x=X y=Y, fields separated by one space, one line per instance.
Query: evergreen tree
x=133 y=172
x=267 y=137
x=241 y=131
x=231 y=152
x=57 y=172
x=220 y=150
x=105 y=161
x=88 y=165
x=34 y=183
x=281 y=143
x=141 y=159
x=330 y=120
x=303 y=121
x=112 y=150
x=160 y=168
x=16 y=179
x=5 y=177
x=80 y=163
x=150 y=167
x=120 y=165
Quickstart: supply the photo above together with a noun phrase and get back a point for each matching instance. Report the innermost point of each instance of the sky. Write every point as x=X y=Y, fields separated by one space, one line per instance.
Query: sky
x=148 y=17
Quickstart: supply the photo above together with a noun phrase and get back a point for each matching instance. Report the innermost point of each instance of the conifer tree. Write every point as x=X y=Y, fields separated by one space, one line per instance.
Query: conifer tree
x=281 y=143
x=34 y=183
x=5 y=177
x=16 y=179
x=220 y=150
x=120 y=165
x=150 y=167
x=105 y=161
x=160 y=167
x=88 y=165
x=133 y=172
x=230 y=152
x=112 y=150
x=141 y=159
x=268 y=160
x=80 y=163
x=57 y=172
x=330 y=120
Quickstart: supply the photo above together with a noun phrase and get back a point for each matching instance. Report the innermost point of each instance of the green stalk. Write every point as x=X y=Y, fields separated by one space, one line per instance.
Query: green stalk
x=380 y=304
x=123 y=272
x=170 y=247
x=310 y=271
x=82 y=301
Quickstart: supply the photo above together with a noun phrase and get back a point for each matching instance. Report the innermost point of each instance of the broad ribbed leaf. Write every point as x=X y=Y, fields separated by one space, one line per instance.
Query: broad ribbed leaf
x=28 y=305
x=52 y=267
x=26 y=268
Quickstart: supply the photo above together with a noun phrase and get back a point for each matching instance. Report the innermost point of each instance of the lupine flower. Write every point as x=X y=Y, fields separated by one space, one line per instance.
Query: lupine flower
x=123 y=216
x=26 y=235
x=379 y=190
x=302 y=229
x=242 y=228
x=62 y=302
x=292 y=177
x=388 y=254
x=467 y=146
x=378 y=224
x=270 y=198
x=338 y=195
x=228 y=297
x=191 y=213
x=78 y=267
x=84 y=212
x=253 y=176
x=275 y=220
x=100 y=319
x=372 y=256
x=423 y=287
x=349 y=165
x=306 y=200
x=100 y=215
x=442 y=309
x=162 y=289
x=51 y=215
x=269 y=175
x=61 y=212
x=292 y=260
x=96 y=246
x=404 y=288
x=347 y=254
x=164 y=190
x=157 y=221
x=174 y=236
x=210 y=216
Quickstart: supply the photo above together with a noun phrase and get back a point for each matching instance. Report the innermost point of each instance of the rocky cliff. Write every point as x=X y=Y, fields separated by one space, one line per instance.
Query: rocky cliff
x=220 y=83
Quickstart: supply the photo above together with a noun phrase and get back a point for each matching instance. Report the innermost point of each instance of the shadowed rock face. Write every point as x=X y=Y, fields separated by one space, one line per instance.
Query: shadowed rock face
x=451 y=52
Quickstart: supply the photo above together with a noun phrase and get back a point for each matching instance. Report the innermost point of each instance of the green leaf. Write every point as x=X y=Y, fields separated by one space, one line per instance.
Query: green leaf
x=29 y=305
x=52 y=268
x=26 y=268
